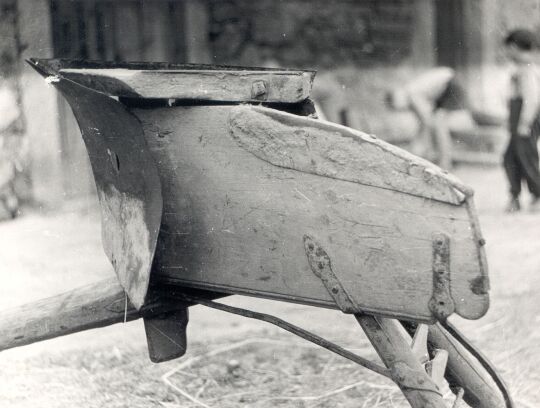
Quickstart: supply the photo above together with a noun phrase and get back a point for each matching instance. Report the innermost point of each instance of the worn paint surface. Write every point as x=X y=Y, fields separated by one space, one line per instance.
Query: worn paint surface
x=185 y=81
x=338 y=152
x=213 y=85
x=126 y=178
x=125 y=237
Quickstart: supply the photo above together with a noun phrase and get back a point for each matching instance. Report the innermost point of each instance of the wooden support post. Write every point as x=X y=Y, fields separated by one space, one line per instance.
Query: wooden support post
x=395 y=351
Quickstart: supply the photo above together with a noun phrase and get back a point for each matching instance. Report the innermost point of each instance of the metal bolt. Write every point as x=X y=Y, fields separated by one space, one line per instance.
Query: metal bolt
x=258 y=89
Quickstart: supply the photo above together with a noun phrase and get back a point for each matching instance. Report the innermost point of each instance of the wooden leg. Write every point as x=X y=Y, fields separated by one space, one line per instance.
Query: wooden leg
x=395 y=351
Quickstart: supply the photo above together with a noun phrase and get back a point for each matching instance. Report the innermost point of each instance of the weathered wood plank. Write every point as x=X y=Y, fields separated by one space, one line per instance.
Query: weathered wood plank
x=235 y=223
x=97 y=305
x=465 y=371
x=342 y=153
x=243 y=186
x=101 y=304
x=127 y=183
x=185 y=81
x=213 y=85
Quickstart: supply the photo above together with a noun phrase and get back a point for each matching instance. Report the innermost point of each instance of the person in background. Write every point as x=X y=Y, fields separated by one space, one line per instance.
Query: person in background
x=439 y=103
x=9 y=114
x=521 y=156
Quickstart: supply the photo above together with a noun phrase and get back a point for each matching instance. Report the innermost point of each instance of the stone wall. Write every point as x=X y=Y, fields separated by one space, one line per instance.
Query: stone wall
x=317 y=33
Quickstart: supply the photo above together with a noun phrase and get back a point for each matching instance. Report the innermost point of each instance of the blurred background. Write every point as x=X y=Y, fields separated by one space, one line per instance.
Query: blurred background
x=361 y=50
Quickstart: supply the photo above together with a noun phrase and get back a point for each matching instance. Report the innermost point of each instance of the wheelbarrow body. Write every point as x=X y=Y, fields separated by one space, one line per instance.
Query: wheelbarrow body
x=242 y=188
x=220 y=180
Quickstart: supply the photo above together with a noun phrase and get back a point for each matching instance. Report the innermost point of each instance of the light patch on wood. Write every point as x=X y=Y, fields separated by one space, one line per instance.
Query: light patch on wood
x=125 y=238
x=334 y=151
x=52 y=79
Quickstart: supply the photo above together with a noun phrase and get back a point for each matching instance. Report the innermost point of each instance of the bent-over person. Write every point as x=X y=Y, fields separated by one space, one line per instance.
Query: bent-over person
x=438 y=101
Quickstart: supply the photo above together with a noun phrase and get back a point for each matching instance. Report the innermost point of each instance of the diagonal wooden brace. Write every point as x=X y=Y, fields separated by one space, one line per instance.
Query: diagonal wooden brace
x=395 y=351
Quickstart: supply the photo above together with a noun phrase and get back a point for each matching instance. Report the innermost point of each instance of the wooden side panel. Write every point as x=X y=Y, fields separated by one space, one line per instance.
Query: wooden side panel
x=235 y=223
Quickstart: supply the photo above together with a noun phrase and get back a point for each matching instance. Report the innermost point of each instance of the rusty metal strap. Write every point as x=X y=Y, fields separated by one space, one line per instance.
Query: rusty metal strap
x=441 y=303
x=320 y=264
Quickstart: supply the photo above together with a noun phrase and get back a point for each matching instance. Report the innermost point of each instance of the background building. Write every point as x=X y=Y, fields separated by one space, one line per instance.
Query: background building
x=361 y=48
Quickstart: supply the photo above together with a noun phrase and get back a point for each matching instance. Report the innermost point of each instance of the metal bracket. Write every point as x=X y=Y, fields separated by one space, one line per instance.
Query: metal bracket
x=320 y=264
x=441 y=303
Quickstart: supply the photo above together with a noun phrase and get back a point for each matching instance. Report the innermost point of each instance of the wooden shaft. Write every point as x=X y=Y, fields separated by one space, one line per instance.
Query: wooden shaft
x=464 y=371
x=395 y=351
x=89 y=307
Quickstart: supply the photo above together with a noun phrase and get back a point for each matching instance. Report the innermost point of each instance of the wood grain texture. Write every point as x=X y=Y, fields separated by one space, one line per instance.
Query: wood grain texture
x=211 y=85
x=97 y=305
x=407 y=372
x=338 y=152
x=234 y=222
x=463 y=370
x=127 y=182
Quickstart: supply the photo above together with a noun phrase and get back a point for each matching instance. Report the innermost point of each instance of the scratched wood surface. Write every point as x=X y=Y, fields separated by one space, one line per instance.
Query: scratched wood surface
x=127 y=182
x=188 y=81
x=234 y=217
x=97 y=305
x=212 y=85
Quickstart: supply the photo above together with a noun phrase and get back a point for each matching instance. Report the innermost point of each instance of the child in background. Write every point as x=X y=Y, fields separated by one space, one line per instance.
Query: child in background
x=521 y=156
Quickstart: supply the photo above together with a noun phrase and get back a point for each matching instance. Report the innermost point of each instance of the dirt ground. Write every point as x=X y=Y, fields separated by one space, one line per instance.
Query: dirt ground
x=236 y=362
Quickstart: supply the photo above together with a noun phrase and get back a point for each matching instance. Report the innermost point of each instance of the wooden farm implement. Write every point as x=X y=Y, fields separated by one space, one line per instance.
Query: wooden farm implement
x=218 y=180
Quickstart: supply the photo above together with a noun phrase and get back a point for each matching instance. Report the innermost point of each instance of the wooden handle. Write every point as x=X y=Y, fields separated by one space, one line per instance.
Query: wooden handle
x=89 y=307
